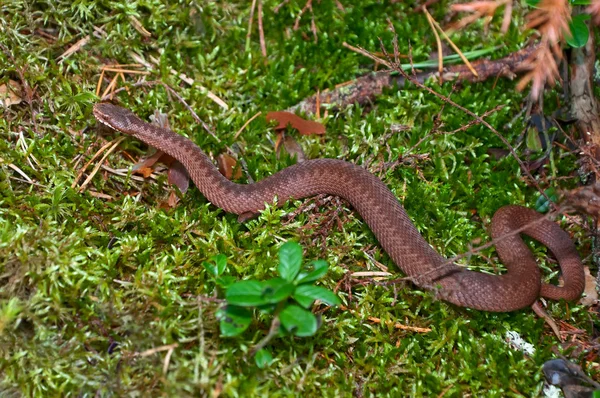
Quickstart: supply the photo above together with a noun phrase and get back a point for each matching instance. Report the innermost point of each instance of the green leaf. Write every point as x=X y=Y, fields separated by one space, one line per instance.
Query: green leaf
x=534 y=143
x=210 y=268
x=290 y=260
x=448 y=59
x=9 y=313
x=542 y=204
x=580 y=33
x=234 y=320
x=245 y=294
x=266 y=308
x=532 y=3
x=581 y=2
x=298 y=321
x=263 y=358
x=219 y=266
x=596 y=394
x=276 y=290
x=85 y=97
x=221 y=263
x=225 y=281
x=305 y=295
x=320 y=268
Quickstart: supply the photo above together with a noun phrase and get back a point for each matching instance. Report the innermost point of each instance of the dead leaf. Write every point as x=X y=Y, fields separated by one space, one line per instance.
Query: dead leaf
x=145 y=166
x=585 y=199
x=278 y=142
x=173 y=199
x=144 y=171
x=293 y=148
x=305 y=127
x=8 y=93
x=591 y=295
x=498 y=153
x=228 y=167
x=179 y=176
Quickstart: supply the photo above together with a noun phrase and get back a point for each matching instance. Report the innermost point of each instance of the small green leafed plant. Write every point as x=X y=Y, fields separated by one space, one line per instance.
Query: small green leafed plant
x=287 y=298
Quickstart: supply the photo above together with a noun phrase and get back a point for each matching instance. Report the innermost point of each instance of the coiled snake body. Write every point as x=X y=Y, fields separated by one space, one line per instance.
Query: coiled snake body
x=519 y=287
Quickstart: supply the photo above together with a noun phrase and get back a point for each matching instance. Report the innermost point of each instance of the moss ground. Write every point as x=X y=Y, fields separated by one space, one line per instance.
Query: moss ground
x=89 y=283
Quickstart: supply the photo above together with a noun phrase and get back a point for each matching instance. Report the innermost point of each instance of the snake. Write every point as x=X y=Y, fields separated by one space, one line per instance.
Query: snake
x=518 y=287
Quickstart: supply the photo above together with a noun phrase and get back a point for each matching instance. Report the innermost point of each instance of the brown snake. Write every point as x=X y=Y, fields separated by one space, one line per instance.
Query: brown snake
x=519 y=287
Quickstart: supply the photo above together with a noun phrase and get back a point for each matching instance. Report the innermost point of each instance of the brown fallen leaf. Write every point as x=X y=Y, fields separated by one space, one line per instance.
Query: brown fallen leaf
x=170 y=202
x=173 y=199
x=178 y=176
x=228 y=167
x=498 y=153
x=8 y=93
x=591 y=295
x=148 y=163
x=291 y=146
x=585 y=199
x=144 y=171
x=305 y=127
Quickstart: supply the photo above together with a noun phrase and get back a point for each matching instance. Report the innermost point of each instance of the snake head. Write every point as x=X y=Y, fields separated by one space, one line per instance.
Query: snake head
x=113 y=116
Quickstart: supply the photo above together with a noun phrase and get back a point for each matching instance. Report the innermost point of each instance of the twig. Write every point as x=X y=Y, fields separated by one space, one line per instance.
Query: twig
x=307 y=6
x=273 y=330
x=471 y=123
x=168 y=359
x=28 y=182
x=73 y=49
x=524 y=168
x=371 y=273
x=21 y=172
x=278 y=6
x=539 y=310
x=261 y=32
x=153 y=351
x=397 y=325
x=100 y=195
x=367 y=54
x=200 y=326
x=249 y=33
x=115 y=144
x=74 y=184
x=364 y=88
x=438 y=42
x=450 y=42
x=246 y=125
x=126 y=172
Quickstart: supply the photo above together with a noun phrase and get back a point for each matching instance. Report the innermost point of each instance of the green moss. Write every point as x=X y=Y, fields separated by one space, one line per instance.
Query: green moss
x=87 y=283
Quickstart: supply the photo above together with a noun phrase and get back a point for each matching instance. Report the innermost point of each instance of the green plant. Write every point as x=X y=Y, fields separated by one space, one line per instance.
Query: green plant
x=286 y=298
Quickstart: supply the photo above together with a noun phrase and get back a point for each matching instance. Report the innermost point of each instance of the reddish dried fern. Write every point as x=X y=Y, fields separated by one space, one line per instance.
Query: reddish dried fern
x=550 y=18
